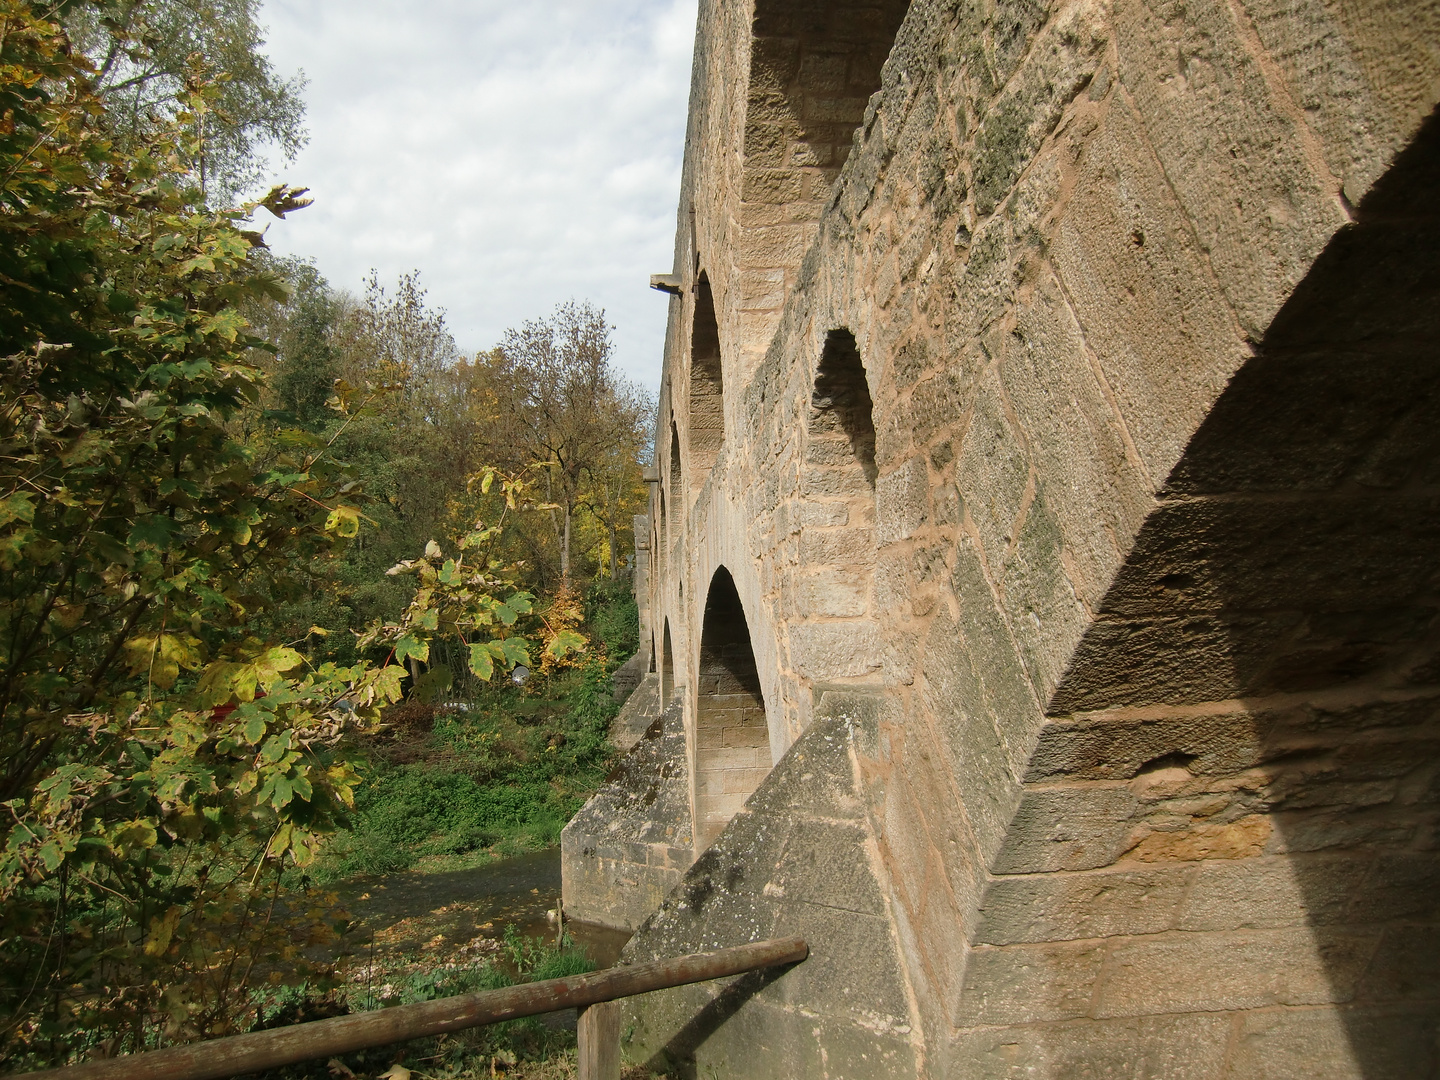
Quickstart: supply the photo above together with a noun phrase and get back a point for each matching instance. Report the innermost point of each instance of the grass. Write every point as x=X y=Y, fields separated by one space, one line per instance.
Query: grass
x=449 y=787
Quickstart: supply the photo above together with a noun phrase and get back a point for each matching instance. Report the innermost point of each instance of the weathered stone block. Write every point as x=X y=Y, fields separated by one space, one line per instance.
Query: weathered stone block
x=1156 y=1048
x=1096 y=904
x=1406 y=966
x=1020 y=984
x=1241 y=970
x=901 y=501
x=1066 y=829
x=834 y=650
x=1273 y=892
x=1347 y=1043
x=834 y=593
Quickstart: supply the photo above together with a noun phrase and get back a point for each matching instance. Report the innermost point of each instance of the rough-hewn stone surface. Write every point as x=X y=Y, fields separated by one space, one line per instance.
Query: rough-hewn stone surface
x=627 y=847
x=640 y=710
x=799 y=859
x=1140 y=573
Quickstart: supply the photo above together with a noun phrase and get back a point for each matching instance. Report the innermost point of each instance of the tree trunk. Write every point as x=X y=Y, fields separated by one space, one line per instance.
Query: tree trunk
x=614 y=551
x=565 y=552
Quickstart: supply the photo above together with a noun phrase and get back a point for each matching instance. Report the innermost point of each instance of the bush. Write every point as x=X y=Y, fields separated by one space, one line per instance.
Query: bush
x=614 y=619
x=503 y=775
x=465 y=1053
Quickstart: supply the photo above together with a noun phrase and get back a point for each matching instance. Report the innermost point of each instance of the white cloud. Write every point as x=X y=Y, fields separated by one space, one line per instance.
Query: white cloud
x=516 y=155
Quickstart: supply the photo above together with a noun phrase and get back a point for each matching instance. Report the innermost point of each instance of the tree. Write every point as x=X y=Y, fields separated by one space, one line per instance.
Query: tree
x=146 y=52
x=160 y=765
x=565 y=411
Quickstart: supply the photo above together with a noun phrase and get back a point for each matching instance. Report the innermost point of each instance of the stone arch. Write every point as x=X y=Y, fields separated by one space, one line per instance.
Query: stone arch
x=842 y=417
x=707 y=388
x=732 y=738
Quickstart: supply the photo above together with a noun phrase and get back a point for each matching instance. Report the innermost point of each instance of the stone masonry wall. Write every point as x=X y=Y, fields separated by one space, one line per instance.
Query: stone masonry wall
x=1145 y=598
x=630 y=844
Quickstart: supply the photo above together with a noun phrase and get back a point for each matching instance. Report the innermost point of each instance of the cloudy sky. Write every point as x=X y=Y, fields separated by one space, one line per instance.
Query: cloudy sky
x=517 y=155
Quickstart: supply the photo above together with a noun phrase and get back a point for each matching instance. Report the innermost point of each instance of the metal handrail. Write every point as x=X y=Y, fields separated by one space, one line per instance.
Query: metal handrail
x=235 y=1055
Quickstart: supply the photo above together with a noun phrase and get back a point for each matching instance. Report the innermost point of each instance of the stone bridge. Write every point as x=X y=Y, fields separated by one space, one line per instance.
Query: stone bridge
x=1042 y=591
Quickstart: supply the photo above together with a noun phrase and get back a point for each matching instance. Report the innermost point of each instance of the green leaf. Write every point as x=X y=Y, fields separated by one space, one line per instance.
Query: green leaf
x=225 y=323
x=343 y=521
x=517 y=651
x=18 y=506
x=51 y=855
x=388 y=682
x=155 y=531
x=255 y=728
x=564 y=643
x=302 y=787
x=481 y=662
x=409 y=646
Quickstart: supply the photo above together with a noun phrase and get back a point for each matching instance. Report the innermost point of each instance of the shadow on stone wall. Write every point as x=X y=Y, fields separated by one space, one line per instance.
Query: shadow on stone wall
x=1271 y=650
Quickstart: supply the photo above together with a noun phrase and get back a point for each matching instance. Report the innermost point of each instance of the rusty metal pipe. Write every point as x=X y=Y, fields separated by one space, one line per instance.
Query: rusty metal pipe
x=254 y=1051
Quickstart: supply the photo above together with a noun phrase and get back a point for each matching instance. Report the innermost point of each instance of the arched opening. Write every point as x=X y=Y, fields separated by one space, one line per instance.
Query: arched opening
x=674 y=457
x=707 y=391
x=813 y=66
x=652 y=653
x=667 y=669
x=842 y=421
x=732 y=740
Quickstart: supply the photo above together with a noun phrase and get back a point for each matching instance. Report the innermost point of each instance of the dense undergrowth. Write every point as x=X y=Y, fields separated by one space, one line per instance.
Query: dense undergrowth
x=451 y=784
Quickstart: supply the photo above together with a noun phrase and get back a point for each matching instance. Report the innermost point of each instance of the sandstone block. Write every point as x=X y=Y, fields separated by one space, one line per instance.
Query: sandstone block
x=1272 y=892
x=901 y=501
x=1156 y=1048
x=1074 y=829
x=1347 y=1043
x=1020 y=984
x=1242 y=970
x=835 y=650
x=1096 y=904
